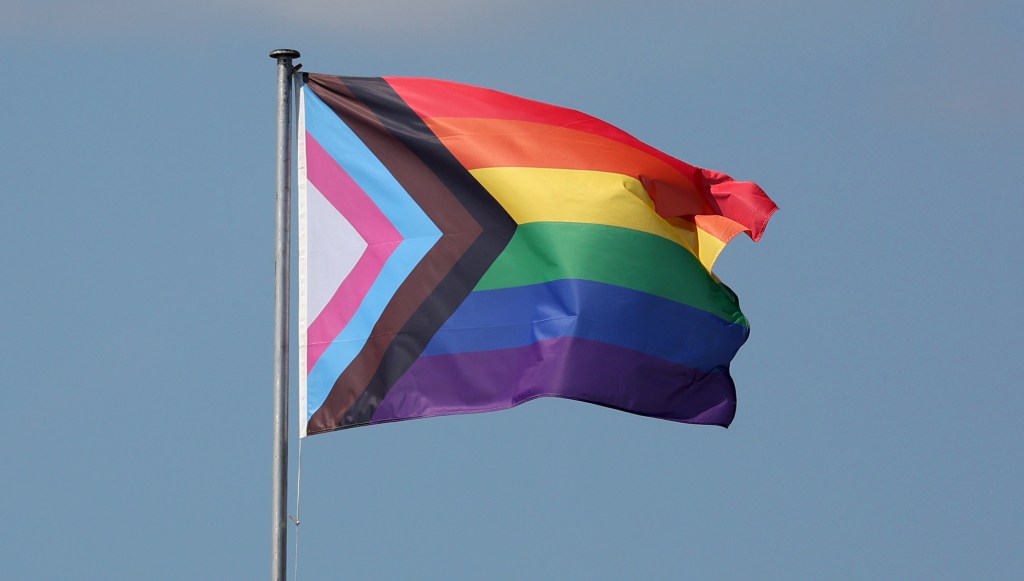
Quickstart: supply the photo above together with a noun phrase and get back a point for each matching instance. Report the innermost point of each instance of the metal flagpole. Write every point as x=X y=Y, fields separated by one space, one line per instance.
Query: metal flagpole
x=279 y=535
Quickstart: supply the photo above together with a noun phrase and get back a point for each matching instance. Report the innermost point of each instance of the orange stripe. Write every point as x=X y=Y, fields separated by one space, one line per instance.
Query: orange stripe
x=720 y=227
x=485 y=143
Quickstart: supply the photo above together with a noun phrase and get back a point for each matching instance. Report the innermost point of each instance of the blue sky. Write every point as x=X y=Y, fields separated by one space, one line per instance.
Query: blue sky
x=878 y=432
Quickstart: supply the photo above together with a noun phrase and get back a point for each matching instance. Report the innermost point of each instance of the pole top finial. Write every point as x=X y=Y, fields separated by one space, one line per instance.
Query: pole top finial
x=284 y=53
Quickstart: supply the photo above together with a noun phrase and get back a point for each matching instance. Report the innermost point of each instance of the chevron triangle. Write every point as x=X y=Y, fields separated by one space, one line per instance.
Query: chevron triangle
x=394 y=232
x=400 y=166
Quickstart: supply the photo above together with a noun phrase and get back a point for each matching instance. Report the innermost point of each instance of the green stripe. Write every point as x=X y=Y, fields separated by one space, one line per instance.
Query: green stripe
x=544 y=251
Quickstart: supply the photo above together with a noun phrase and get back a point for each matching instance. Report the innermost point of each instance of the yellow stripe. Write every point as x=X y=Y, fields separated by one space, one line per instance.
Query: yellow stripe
x=591 y=197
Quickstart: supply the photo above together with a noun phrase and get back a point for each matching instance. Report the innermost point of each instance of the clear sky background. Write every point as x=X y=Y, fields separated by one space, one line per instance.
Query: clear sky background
x=879 y=425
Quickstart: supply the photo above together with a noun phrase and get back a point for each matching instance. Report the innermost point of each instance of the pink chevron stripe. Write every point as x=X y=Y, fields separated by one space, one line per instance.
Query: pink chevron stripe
x=380 y=235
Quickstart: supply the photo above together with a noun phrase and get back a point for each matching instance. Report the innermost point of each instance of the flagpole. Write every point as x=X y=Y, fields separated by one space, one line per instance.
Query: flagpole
x=279 y=535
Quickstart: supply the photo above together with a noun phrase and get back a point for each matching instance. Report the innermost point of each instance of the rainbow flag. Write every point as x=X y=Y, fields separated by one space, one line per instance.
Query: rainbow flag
x=464 y=250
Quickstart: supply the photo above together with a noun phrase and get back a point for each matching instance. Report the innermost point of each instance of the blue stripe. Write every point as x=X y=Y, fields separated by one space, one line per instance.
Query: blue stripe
x=519 y=316
x=419 y=233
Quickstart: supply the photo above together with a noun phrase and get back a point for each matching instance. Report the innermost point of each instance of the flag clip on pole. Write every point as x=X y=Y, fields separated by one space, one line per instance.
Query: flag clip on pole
x=279 y=535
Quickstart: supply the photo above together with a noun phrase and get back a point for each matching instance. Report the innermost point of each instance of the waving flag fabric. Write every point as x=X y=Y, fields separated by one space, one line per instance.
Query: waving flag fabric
x=464 y=250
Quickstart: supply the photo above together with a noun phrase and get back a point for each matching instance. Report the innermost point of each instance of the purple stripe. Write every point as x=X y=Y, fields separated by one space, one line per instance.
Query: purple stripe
x=568 y=367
